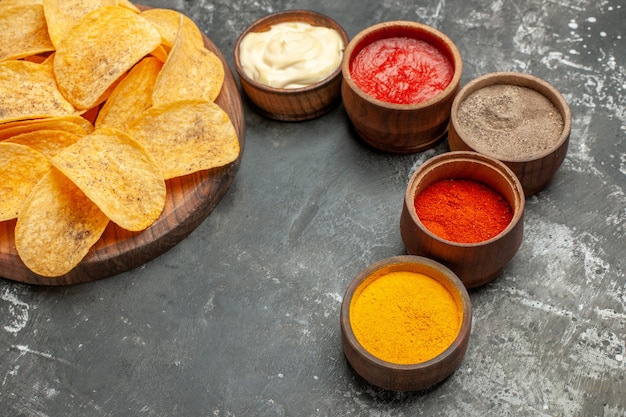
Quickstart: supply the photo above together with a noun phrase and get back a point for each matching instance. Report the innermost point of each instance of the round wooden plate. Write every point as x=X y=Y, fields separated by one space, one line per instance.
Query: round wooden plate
x=189 y=201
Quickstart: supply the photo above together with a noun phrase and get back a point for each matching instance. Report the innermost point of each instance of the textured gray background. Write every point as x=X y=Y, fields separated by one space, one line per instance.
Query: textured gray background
x=242 y=317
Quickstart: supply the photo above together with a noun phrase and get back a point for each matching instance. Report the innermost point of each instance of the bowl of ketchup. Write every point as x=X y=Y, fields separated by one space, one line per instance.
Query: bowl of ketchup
x=399 y=81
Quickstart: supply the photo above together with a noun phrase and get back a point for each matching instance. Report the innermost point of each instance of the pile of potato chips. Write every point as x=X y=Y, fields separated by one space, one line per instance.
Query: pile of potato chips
x=100 y=104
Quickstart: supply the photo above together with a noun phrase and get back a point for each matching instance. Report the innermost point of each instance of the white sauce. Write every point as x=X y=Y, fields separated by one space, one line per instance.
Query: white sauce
x=291 y=54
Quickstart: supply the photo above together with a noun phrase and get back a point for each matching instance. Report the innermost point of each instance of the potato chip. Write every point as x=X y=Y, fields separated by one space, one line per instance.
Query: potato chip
x=57 y=226
x=128 y=5
x=10 y=3
x=102 y=46
x=117 y=174
x=49 y=60
x=107 y=93
x=91 y=114
x=190 y=72
x=62 y=15
x=131 y=97
x=187 y=136
x=37 y=59
x=29 y=91
x=73 y=124
x=24 y=32
x=100 y=103
x=46 y=142
x=160 y=53
x=20 y=169
x=167 y=22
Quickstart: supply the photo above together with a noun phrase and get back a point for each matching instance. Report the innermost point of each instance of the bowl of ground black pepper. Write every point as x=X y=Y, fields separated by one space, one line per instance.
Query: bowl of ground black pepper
x=405 y=323
x=516 y=118
x=465 y=210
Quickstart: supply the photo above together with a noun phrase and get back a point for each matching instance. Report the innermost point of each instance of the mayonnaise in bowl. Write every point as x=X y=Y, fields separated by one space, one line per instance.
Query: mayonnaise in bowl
x=291 y=54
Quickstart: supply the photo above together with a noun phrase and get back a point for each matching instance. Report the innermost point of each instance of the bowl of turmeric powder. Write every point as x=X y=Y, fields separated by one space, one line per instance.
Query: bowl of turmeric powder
x=466 y=210
x=405 y=323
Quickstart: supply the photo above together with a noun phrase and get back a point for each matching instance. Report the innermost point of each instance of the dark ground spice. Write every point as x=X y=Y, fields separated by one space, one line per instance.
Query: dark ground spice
x=509 y=122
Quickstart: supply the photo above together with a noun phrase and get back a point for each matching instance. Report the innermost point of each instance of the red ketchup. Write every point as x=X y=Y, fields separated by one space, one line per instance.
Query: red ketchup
x=401 y=70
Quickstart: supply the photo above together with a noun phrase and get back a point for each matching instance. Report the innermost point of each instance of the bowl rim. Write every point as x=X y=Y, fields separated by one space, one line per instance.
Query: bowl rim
x=443 y=273
x=409 y=25
x=521 y=80
x=282 y=16
x=498 y=167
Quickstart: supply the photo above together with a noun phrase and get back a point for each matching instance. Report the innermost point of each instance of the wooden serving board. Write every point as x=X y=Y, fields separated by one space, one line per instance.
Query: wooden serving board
x=190 y=199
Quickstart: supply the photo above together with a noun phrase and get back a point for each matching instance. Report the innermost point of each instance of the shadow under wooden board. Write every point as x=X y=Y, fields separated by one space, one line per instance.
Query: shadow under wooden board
x=190 y=199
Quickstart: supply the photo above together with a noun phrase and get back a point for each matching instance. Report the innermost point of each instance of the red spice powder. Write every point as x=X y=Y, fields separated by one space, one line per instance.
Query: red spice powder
x=463 y=210
x=401 y=70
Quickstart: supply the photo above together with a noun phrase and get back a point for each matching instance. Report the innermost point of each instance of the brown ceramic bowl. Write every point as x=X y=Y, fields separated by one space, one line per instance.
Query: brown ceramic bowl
x=534 y=171
x=475 y=264
x=399 y=128
x=411 y=377
x=292 y=104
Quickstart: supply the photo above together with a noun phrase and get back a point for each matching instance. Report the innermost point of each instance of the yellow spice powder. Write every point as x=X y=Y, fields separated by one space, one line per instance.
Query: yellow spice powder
x=404 y=317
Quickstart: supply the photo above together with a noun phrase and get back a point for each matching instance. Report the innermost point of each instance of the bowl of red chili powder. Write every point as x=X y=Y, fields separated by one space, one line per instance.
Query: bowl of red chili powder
x=516 y=118
x=399 y=82
x=405 y=323
x=465 y=210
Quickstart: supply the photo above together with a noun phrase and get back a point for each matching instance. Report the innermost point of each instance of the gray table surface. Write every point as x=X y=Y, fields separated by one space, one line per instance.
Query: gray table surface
x=242 y=317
